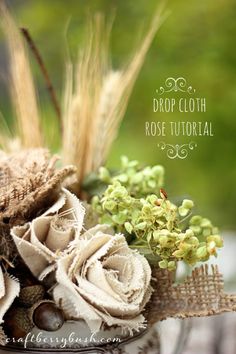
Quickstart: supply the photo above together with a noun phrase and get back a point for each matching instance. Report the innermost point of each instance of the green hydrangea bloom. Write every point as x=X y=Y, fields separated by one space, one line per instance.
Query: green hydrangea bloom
x=151 y=222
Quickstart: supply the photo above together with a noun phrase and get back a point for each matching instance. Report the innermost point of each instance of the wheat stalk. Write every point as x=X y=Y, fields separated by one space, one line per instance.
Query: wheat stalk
x=94 y=110
x=80 y=105
x=22 y=86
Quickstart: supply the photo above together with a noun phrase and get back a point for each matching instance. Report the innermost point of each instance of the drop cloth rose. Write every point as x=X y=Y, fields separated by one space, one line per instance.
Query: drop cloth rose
x=103 y=281
x=43 y=240
x=9 y=290
x=98 y=277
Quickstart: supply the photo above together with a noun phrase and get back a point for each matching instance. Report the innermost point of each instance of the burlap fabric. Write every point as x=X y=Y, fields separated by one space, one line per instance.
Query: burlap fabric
x=201 y=294
x=29 y=183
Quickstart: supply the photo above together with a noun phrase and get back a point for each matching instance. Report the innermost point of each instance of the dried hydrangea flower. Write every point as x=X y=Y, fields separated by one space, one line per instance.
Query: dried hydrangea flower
x=157 y=227
x=138 y=180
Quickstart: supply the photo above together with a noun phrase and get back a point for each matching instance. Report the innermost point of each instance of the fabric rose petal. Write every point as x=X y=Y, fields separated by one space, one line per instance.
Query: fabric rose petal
x=9 y=290
x=103 y=281
x=41 y=242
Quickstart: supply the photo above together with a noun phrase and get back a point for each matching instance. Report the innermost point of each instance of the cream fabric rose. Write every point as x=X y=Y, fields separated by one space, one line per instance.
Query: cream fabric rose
x=98 y=277
x=103 y=281
x=42 y=241
x=9 y=290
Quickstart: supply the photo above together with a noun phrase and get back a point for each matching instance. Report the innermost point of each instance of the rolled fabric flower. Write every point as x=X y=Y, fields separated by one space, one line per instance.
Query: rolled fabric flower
x=42 y=241
x=103 y=281
x=9 y=290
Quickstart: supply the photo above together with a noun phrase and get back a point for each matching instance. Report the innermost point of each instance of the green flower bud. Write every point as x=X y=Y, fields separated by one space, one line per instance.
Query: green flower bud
x=206 y=223
x=157 y=211
x=124 y=161
x=178 y=254
x=189 y=233
x=163 y=240
x=163 y=264
x=211 y=247
x=109 y=205
x=133 y=164
x=147 y=172
x=202 y=252
x=217 y=239
x=158 y=170
x=141 y=225
x=182 y=236
x=196 y=230
x=137 y=178
x=171 y=265
x=156 y=235
x=166 y=241
x=147 y=209
x=164 y=232
x=135 y=216
x=194 y=241
x=206 y=232
x=152 y=199
x=187 y=204
x=123 y=178
x=128 y=227
x=183 y=211
x=195 y=220
x=104 y=174
x=215 y=230
x=185 y=247
x=149 y=237
x=119 y=219
x=119 y=192
x=151 y=183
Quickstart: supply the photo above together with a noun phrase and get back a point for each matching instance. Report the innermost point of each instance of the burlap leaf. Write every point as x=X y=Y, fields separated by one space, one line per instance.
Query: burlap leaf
x=201 y=294
x=26 y=179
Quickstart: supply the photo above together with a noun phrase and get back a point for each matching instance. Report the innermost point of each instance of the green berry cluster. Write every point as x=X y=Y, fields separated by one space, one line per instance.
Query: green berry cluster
x=138 y=181
x=155 y=225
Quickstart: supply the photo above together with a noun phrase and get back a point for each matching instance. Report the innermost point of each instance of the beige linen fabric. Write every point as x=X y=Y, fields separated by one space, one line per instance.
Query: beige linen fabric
x=9 y=290
x=103 y=282
x=43 y=240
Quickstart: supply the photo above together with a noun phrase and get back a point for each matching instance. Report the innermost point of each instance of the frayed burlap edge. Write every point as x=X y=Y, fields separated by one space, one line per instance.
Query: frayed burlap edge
x=24 y=199
x=201 y=294
x=26 y=179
